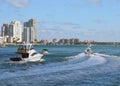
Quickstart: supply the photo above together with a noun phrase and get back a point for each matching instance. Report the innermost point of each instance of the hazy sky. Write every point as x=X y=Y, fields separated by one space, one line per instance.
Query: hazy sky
x=97 y=20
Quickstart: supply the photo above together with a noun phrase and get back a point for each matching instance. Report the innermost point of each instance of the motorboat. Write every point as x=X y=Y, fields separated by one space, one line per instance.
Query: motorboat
x=88 y=51
x=27 y=53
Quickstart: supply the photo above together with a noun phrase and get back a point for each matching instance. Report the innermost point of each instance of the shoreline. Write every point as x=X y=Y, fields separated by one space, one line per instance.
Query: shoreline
x=98 y=43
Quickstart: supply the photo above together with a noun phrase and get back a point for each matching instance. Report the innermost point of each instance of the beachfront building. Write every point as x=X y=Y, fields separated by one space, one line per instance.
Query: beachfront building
x=76 y=41
x=5 y=30
x=64 y=41
x=61 y=41
x=55 y=41
x=30 y=31
x=28 y=34
x=44 y=42
x=15 y=31
x=69 y=41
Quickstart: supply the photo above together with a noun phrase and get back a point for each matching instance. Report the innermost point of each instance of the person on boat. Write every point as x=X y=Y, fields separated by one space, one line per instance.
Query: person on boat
x=88 y=51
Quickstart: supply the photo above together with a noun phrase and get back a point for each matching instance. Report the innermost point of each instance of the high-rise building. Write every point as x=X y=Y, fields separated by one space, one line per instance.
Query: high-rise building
x=15 y=31
x=32 y=25
x=28 y=34
x=5 y=30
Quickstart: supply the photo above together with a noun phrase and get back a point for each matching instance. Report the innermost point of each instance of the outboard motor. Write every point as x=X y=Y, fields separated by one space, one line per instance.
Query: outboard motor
x=44 y=51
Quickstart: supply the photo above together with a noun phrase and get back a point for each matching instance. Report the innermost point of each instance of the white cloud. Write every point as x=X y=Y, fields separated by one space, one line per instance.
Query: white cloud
x=96 y=1
x=85 y=2
x=92 y=1
x=116 y=0
x=99 y=21
x=58 y=30
x=67 y=30
x=18 y=3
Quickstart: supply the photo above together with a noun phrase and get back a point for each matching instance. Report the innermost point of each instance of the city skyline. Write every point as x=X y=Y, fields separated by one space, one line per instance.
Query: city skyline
x=84 y=19
x=14 y=32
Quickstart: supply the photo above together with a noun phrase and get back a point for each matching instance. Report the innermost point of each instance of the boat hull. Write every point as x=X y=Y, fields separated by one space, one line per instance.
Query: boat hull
x=16 y=59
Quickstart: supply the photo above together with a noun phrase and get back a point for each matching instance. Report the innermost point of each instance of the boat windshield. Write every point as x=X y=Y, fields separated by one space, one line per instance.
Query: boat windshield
x=25 y=46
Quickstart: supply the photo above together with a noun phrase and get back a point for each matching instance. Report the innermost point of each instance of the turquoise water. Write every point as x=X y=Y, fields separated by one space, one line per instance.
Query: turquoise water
x=64 y=66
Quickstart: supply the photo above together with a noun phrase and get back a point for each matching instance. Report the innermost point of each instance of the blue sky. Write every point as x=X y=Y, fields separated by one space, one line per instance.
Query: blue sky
x=97 y=20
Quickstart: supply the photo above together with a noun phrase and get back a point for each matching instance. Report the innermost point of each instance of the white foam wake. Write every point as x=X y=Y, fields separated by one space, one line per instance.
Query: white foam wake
x=104 y=55
x=79 y=56
x=67 y=66
x=93 y=60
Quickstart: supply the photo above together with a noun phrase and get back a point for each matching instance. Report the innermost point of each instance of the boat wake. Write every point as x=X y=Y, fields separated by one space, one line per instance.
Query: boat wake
x=105 y=55
x=63 y=69
x=78 y=62
x=89 y=60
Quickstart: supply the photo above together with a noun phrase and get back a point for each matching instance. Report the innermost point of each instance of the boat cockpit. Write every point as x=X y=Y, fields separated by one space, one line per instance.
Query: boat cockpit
x=24 y=48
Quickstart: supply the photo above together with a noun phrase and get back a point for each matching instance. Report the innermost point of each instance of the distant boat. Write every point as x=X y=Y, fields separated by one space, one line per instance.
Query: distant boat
x=88 y=50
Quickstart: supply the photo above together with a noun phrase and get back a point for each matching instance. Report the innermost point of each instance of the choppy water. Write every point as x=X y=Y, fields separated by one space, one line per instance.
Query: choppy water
x=64 y=66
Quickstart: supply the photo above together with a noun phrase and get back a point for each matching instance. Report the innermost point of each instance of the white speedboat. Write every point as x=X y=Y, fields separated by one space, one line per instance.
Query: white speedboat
x=27 y=53
x=88 y=51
